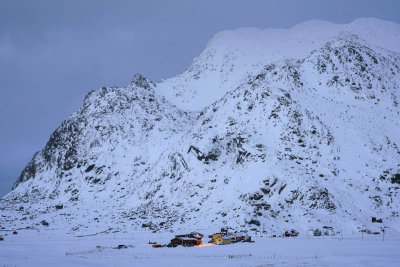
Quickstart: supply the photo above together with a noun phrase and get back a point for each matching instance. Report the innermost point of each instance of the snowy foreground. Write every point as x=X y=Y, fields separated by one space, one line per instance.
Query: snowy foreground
x=54 y=249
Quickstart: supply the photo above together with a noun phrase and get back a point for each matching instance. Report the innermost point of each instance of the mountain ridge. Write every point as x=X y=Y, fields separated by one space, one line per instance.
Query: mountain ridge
x=302 y=142
x=232 y=55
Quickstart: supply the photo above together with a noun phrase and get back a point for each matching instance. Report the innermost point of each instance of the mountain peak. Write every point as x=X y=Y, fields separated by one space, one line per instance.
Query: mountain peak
x=140 y=81
x=230 y=56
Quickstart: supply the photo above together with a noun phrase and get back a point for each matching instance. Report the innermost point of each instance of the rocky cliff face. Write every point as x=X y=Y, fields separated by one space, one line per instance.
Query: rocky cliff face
x=304 y=142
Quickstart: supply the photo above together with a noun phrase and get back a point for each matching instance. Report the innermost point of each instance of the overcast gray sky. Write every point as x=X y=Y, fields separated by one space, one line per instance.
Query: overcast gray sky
x=53 y=52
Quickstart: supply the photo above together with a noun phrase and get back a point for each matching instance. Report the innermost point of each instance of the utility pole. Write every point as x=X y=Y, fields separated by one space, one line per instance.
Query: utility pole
x=263 y=228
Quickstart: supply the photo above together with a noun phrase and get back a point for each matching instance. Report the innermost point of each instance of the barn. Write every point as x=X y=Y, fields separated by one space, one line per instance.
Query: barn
x=186 y=241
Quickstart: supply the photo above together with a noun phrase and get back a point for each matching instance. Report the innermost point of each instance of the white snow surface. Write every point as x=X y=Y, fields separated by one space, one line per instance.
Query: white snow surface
x=54 y=249
x=298 y=128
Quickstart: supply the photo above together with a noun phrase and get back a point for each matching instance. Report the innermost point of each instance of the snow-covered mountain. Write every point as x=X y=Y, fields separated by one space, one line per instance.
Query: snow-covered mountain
x=230 y=56
x=266 y=130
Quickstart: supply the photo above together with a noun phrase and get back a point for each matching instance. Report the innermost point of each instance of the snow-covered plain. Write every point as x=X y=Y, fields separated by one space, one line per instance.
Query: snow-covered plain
x=30 y=248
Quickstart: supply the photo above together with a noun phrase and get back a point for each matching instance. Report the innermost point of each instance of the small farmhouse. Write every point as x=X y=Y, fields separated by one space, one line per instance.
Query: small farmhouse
x=226 y=237
x=188 y=240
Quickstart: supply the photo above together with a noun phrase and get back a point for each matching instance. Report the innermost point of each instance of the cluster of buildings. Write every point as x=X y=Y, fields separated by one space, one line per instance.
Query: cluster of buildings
x=196 y=239
x=225 y=237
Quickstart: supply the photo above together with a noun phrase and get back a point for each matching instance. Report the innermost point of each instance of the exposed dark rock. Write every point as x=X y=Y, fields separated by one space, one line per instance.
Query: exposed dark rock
x=395 y=179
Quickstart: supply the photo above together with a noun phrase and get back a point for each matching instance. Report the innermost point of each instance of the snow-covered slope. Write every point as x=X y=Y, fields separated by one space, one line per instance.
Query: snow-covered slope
x=231 y=56
x=305 y=138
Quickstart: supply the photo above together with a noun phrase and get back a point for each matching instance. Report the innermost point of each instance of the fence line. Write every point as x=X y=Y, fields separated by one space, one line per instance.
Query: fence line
x=355 y=236
x=182 y=254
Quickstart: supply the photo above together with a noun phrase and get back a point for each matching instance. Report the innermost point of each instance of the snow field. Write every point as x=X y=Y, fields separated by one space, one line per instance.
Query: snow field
x=54 y=249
